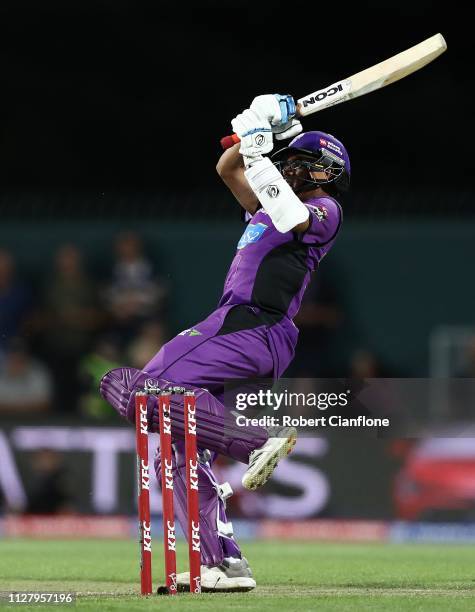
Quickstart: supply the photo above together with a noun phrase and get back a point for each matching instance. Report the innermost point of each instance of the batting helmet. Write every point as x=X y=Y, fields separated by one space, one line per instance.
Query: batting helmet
x=319 y=152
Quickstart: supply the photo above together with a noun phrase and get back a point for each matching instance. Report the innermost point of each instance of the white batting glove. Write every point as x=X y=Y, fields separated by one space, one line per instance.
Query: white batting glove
x=255 y=134
x=277 y=109
x=288 y=130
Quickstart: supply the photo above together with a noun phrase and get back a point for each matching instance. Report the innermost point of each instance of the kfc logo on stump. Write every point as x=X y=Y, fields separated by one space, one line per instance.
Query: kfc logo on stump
x=171 y=538
x=147 y=537
x=143 y=420
x=145 y=476
x=195 y=536
x=167 y=422
x=191 y=420
x=168 y=473
x=193 y=475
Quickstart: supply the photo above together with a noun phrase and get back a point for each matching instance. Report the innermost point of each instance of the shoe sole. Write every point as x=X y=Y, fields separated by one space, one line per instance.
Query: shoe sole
x=185 y=588
x=259 y=478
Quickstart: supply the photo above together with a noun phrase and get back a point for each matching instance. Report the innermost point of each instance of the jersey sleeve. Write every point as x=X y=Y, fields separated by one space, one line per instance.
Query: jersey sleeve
x=325 y=221
x=245 y=215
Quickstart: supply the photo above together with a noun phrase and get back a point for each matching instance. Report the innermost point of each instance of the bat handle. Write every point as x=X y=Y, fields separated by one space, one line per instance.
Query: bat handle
x=229 y=141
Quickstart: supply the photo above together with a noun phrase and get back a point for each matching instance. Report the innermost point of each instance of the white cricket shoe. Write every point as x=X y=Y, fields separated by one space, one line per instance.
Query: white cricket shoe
x=232 y=576
x=263 y=461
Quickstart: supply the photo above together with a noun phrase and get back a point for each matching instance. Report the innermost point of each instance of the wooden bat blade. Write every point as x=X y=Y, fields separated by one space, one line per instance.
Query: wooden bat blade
x=378 y=76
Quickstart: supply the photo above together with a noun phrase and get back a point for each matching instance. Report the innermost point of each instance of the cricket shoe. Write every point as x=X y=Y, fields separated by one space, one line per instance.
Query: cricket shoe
x=263 y=461
x=232 y=576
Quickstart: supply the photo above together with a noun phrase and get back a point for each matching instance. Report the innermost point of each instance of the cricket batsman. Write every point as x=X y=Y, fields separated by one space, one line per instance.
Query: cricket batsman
x=293 y=218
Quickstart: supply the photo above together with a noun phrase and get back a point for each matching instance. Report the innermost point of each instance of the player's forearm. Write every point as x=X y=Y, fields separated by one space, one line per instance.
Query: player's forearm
x=230 y=168
x=230 y=161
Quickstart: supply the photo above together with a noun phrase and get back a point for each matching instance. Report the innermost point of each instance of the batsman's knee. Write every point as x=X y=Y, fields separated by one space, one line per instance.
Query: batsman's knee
x=118 y=387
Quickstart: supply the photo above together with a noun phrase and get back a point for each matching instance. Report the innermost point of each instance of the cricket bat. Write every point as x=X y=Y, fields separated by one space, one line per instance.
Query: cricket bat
x=378 y=76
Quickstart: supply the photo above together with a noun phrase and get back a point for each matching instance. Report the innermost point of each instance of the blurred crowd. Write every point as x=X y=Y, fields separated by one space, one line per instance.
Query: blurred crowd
x=60 y=334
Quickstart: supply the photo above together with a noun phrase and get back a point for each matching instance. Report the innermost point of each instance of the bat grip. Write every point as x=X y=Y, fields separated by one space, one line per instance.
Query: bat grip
x=229 y=141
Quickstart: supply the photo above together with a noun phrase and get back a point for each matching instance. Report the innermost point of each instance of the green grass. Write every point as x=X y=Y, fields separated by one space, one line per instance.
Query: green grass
x=290 y=576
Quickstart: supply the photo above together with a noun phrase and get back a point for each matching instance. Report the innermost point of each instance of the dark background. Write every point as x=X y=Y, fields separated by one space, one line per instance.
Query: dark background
x=132 y=97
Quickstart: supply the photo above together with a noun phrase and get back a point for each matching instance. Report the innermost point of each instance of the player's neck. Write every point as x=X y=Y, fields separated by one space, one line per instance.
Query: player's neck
x=318 y=192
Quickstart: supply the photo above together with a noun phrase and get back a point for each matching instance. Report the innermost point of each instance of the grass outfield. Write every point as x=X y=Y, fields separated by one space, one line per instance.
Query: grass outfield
x=290 y=576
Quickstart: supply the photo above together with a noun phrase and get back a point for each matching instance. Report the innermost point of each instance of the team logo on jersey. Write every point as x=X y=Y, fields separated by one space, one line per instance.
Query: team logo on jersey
x=190 y=332
x=252 y=234
x=320 y=212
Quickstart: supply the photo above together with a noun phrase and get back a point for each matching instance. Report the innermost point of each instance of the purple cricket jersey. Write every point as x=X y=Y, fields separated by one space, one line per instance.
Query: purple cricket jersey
x=263 y=291
x=271 y=270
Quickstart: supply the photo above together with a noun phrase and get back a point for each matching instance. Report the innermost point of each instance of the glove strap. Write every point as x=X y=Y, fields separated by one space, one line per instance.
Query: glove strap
x=287 y=107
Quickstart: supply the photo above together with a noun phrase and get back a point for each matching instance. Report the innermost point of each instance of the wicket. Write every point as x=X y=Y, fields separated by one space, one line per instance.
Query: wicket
x=143 y=486
x=143 y=482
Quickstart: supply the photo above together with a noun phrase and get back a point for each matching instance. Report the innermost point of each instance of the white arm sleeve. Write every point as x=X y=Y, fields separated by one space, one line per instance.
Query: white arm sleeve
x=276 y=196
